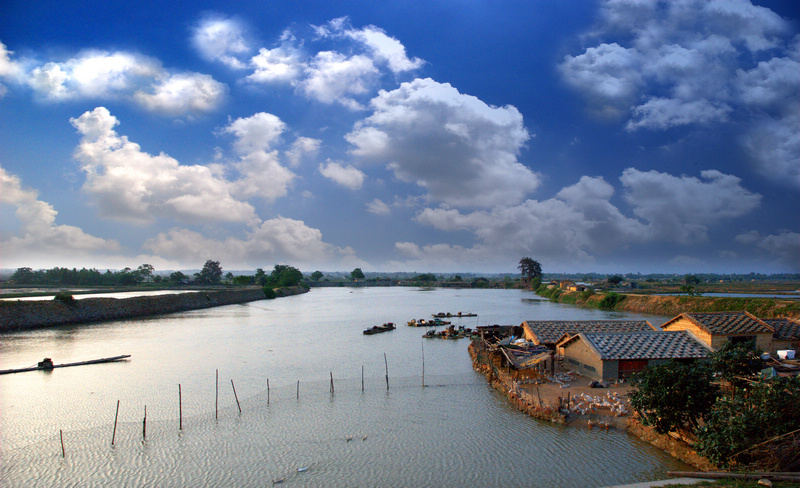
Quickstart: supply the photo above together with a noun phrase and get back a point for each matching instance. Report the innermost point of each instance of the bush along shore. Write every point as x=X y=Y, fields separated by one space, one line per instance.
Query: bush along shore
x=673 y=306
x=65 y=310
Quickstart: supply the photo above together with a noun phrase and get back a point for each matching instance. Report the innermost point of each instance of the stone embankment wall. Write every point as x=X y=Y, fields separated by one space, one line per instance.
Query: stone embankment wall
x=22 y=314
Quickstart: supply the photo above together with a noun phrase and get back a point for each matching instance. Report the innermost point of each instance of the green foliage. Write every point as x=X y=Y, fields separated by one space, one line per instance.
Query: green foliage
x=691 y=280
x=211 y=274
x=428 y=277
x=269 y=292
x=585 y=295
x=530 y=269
x=64 y=297
x=316 y=276
x=672 y=395
x=611 y=300
x=242 y=280
x=284 y=275
x=615 y=280
x=768 y=409
x=736 y=360
x=690 y=290
x=23 y=276
x=177 y=277
x=357 y=274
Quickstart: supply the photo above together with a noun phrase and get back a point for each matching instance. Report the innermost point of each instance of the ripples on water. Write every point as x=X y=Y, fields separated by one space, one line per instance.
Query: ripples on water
x=456 y=431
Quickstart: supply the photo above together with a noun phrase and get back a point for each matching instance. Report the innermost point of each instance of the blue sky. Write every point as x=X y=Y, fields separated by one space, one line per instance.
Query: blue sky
x=443 y=136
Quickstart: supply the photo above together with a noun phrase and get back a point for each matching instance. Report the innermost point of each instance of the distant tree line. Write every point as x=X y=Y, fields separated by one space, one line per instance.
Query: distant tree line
x=84 y=277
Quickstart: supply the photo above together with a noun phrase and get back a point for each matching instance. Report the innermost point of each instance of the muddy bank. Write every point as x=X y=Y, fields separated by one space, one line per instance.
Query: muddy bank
x=543 y=401
x=18 y=315
x=673 y=306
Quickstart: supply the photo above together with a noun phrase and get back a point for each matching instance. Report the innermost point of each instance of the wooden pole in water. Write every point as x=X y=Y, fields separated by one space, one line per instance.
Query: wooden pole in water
x=236 y=396
x=423 y=364
x=61 y=435
x=298 y=389
x=386 y=363
x=362 y=378
x=116 y=416
x=180 y=408
x=144 y=424
x=267 y=391
x=216 y=396
x=331 y=382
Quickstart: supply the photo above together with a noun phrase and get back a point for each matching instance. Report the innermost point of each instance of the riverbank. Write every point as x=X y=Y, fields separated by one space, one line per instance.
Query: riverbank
x=673 y=306
x=21 y=314
x=548 y=401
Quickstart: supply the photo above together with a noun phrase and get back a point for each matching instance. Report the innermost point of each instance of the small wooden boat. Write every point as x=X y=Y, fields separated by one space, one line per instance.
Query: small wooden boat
x=421 y=323
x=47 y=364
x=443 y=315
x=376 y=329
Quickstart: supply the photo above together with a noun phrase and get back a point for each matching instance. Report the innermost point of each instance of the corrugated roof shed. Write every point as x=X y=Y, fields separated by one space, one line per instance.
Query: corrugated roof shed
x=647 y=345
x=550 y=331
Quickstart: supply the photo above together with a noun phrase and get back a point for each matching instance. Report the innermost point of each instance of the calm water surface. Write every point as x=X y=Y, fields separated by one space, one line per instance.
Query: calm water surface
x=454 y=431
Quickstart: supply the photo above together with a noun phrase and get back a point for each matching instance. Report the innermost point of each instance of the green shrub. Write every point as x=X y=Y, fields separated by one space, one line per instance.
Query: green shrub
x=269 y=292
x=611 y=300
x=64 y=297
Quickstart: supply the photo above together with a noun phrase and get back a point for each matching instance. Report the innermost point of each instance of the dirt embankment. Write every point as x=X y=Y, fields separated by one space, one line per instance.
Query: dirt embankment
x=675 y=305
x=542 y=401
x=17 y=315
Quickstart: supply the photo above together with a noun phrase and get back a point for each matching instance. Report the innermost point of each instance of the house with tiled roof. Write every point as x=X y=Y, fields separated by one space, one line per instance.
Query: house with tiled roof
x=617 y=355
x=549 y=332
x=716 y=328
x=785 y=334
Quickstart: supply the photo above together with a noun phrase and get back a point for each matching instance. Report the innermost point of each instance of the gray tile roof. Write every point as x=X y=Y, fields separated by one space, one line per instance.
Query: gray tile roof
x=729 y=323
x=647 y=345
x=550 y=331
x=784 y=328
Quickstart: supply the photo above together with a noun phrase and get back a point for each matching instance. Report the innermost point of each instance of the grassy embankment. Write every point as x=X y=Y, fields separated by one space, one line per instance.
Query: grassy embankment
x=674 y=305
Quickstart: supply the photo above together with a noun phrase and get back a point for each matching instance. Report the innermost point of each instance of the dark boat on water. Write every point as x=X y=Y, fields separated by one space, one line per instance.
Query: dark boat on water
x=47 y=364
x=459 y=314
x=380 y=328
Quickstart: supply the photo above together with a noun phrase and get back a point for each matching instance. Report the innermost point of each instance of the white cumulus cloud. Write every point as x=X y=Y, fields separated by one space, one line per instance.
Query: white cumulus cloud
x=221 y=39
x=461 y=150
x=130 y=184
x=38 y=237
x=346 y=176
x=697 y=62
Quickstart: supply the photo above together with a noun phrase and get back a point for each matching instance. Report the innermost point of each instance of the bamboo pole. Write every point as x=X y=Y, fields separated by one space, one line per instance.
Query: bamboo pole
x=386 y=363
x=267 y=391
x=216 y=396
x=362 y=378
x=331 y=382
x=298 y=389
x=423 y=364
x=236 y=396
x=61 y=435
x=116 y=416
x=144 y=425
x=180 y=408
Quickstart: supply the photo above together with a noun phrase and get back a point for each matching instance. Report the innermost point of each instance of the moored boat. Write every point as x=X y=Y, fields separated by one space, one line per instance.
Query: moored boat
x=380 y=328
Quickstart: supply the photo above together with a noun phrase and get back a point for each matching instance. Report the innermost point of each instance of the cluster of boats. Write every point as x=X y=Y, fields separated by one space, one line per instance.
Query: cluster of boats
x=450 y=332
x=443 y=315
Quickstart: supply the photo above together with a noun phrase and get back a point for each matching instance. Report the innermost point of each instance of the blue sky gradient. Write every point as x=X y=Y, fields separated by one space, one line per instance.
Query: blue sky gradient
x=438 y=136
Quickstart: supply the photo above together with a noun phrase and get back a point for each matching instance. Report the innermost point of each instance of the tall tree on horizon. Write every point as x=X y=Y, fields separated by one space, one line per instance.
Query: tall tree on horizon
x=531 y=271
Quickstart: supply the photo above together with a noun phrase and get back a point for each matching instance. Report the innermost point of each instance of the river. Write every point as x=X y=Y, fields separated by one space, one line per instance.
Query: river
x=280 y=356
